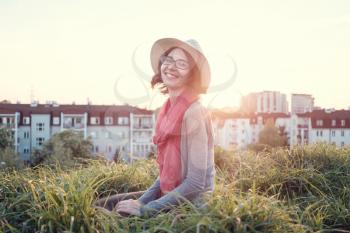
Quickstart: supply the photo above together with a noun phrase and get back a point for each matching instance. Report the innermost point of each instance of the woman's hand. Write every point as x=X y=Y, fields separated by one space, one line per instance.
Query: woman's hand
x=129 y=206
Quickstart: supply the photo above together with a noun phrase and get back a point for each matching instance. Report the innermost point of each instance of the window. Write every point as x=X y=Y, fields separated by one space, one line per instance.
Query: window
x=26 y=120
x=109 y=149
x=96 y=148
x=93 y=134
x=40 y=127
x=40 y=141
x=123 y=120
x=78 y=120
x=342 y=133
x=67 y=122
x=95 y=120
x=321 y=133
x=317 y=133
x=26 y=151
x=26 y=134
x=56 y=120
x=342 y=122
x=108 y=120
x=333 y=133
x=342 y=144
x=146 y=122
x=319 y=122
x=334 y=122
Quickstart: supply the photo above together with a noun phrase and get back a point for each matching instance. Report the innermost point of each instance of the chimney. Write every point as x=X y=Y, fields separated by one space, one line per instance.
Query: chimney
x=34 y=103
x=55 y=104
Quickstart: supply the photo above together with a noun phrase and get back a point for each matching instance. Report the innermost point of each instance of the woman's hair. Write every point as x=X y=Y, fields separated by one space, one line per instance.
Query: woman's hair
x=195 y=79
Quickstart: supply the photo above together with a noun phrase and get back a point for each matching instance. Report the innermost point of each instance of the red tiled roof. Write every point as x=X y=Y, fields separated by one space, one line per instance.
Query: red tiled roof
x=337 y=115
x=327 y=118
x=91 y=110
x=252 y=116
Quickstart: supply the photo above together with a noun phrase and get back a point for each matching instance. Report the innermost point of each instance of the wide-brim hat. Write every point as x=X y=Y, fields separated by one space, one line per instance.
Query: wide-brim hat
x=191 y=46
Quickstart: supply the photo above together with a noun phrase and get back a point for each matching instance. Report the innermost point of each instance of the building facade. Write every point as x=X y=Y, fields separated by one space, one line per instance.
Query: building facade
x=302 y=103
x=120 y=130
x=237 y=130
x=264 y=102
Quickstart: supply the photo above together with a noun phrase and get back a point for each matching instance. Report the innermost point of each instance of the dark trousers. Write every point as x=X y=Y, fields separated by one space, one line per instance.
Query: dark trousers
x=110 y=202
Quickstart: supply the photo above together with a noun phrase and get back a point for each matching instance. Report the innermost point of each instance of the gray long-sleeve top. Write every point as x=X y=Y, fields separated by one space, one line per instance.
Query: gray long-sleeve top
x=197 y=163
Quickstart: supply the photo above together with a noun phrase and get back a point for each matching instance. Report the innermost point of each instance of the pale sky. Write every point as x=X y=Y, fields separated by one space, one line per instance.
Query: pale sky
x=71 y=50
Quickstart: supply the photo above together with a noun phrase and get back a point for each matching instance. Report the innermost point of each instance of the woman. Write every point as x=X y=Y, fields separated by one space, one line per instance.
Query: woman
x=183 y=135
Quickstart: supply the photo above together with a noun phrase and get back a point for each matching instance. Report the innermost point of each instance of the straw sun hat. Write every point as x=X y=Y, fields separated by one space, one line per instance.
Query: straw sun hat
x=191 y=46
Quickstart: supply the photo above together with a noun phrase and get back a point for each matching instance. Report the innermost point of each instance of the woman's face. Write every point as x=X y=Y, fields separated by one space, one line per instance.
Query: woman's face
x=175 y=70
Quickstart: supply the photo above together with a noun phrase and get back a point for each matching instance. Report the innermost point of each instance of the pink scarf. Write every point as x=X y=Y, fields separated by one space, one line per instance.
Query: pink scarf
x=168 y=137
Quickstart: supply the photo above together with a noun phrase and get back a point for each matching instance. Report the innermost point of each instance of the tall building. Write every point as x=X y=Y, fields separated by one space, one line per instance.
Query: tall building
x=249 y=103
x=264 y=102
x=302 y=103
x=113 y=129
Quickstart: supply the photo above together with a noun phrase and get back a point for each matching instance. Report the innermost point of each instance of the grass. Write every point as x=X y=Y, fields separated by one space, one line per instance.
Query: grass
x=305 y=189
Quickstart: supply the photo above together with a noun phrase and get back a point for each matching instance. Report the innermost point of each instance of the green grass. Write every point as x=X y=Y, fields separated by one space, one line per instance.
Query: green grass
x=299 y=190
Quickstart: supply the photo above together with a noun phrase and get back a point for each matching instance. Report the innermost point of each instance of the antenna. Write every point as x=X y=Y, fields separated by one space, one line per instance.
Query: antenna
x=31 y=93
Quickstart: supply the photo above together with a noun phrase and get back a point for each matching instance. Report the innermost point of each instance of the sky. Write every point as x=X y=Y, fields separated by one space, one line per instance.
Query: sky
x=74 y=51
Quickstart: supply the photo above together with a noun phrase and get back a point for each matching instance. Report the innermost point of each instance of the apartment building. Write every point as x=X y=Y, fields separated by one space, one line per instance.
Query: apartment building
x=237 y=130
x=302 y=103
x=332 y=126
x=121 y=129
x=264 y=102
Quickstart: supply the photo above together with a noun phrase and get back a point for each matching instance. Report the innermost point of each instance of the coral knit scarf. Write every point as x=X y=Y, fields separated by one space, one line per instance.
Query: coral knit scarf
x=168 y=137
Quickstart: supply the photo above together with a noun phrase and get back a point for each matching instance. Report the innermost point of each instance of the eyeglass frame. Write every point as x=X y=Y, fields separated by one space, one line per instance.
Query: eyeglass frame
x=163 y=61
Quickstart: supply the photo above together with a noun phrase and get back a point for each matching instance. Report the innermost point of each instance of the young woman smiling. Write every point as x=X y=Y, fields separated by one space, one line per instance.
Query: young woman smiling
x=183 y=135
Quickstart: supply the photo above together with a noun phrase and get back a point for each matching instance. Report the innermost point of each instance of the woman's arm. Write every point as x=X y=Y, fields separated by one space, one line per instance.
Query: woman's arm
x=197 y=150
x=152 y=193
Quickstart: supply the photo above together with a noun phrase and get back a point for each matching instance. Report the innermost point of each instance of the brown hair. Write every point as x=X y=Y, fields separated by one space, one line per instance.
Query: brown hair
x=195 y=77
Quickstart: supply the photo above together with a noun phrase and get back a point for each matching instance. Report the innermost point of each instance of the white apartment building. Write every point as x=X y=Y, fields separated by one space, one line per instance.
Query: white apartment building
x=332 y=126
x=238 y=130
x=123 y=129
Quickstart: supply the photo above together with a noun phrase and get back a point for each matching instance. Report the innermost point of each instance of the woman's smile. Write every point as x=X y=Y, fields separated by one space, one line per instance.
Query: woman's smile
x=171 y=75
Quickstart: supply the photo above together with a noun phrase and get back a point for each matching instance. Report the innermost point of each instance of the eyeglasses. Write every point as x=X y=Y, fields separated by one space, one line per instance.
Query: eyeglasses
x=180 y=63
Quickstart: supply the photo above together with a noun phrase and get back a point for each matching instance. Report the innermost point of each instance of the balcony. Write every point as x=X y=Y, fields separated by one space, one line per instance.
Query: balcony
x=143 y=126
x=73 y=123
x=142 y=140
x=8 y=125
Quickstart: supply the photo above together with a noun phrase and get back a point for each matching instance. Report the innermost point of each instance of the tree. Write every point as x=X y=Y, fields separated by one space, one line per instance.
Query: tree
x=66 y=148
x=8 y=156
x=270 y=135
x=5 y=138
x=5 y=102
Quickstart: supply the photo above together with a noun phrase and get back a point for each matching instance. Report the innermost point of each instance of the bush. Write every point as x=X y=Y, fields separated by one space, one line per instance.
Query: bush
x=258 y=147
x=9 y=159
x=66 y=148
